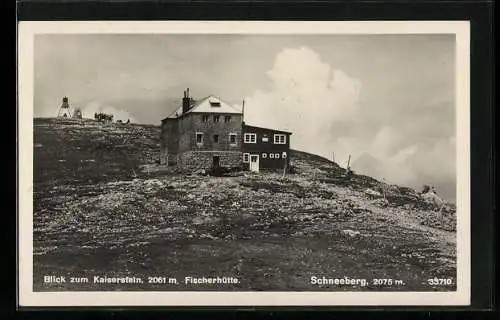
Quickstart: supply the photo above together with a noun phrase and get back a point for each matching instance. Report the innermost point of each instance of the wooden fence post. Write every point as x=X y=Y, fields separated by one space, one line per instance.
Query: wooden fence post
x=284 y=168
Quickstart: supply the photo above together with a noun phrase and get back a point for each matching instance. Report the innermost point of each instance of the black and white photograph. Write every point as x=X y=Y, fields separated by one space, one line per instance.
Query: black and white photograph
x=248 y=159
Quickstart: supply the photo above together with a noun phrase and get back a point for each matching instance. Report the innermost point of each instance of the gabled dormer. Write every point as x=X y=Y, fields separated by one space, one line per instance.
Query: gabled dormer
x=209 y=105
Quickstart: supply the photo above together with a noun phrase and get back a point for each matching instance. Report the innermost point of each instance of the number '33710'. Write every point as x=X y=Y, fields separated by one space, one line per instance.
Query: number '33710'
x=440 y=281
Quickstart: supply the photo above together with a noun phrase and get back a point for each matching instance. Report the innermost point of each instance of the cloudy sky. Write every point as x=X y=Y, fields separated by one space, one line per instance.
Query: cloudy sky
x=387 y=100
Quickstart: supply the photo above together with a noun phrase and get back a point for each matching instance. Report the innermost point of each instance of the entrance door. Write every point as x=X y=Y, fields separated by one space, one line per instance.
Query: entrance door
x=216 y=161
x=254 y=163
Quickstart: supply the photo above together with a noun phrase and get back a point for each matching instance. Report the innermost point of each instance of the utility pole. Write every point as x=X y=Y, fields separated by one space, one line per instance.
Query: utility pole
x=348 y=168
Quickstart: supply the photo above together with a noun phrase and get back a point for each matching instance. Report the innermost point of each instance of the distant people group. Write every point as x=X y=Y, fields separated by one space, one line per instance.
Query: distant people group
x=103 y=117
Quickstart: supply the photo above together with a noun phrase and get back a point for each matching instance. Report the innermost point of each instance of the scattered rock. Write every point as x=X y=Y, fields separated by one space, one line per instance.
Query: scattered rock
x=201 y=172
x=351 y=233
x=383 y=203
x=372 y=193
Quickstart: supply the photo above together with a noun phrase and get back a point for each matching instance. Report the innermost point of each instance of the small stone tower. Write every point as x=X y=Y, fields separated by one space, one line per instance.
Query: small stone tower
x=77 y=114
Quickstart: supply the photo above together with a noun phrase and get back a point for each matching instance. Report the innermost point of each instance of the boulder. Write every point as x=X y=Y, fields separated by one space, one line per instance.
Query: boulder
x=372 y=193
x=351 y=233
x=432 y=198
x=381 y=202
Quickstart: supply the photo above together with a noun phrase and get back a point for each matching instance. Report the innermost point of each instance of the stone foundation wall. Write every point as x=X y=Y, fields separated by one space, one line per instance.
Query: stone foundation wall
x=169 y=141
x=194 y=160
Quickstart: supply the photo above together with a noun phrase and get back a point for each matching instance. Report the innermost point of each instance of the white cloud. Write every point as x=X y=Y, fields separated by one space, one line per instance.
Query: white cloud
x=437 y=160
x=412 y=165
x=98 y=107
x=404 y=154
x=384 y=142
x=307 y=95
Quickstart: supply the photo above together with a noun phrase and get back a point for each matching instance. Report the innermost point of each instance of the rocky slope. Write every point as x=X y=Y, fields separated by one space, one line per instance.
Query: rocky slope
x=103 y=206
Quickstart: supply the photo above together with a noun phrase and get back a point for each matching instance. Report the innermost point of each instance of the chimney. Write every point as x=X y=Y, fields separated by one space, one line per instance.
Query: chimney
x=243 y=112
x=186 y=101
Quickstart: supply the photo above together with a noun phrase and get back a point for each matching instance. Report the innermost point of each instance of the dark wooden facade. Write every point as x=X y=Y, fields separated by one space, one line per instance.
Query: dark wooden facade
x=271 y=146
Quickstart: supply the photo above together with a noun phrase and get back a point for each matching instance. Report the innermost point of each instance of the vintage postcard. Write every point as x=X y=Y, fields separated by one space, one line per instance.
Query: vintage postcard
x=236 y=163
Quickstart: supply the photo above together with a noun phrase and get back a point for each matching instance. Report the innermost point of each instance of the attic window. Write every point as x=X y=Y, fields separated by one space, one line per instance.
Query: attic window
x=214 y=104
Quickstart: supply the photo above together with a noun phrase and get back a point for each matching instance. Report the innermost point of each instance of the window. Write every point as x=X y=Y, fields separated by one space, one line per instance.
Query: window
x=279 y=139
x=284 y=155
x=265 y=138
x=277 y=156
x=214 y=103
x=271 y=155
x=216 y=118
x=199 y=138
x=250 y=138
x=227 y=119
x=264 y=155
x=216 y=138
x=205 y=118
x=246 y=157
x=232 y=139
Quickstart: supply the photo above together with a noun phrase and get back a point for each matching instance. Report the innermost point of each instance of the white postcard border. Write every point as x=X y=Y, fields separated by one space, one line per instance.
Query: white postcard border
x=28 y=29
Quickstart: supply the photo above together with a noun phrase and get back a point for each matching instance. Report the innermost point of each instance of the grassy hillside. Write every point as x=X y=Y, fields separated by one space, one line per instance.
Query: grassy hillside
x=103 y=207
